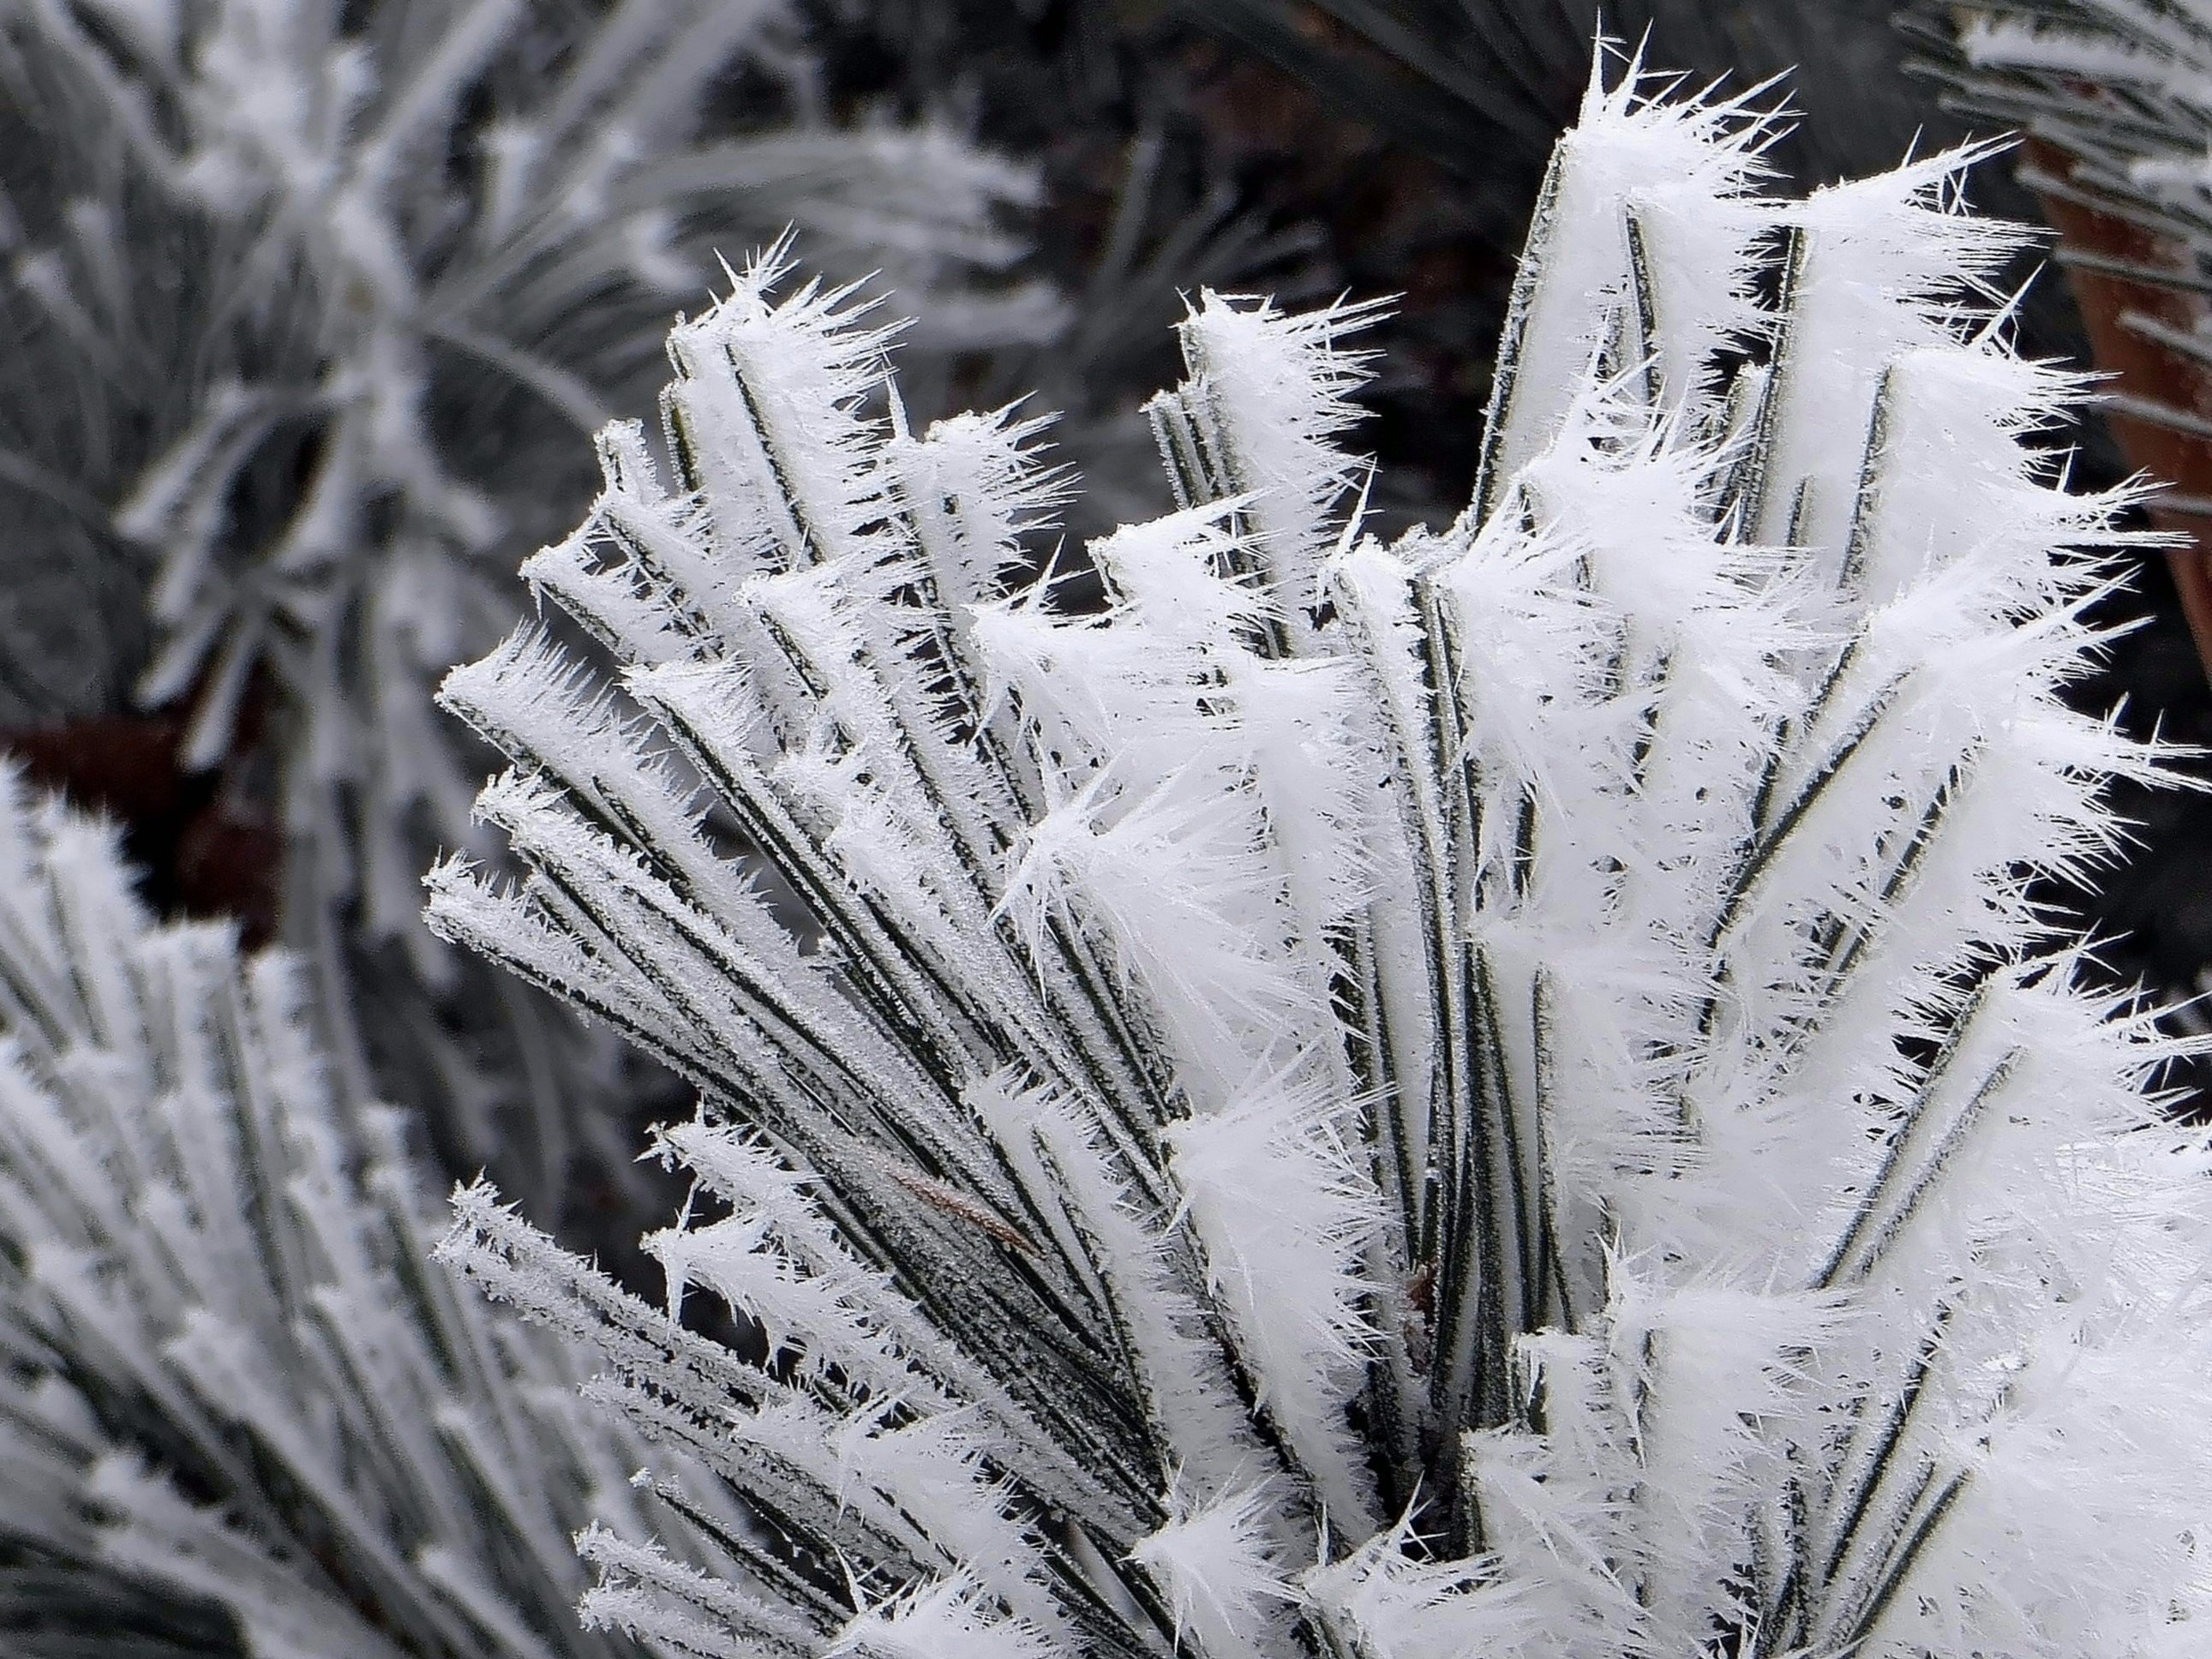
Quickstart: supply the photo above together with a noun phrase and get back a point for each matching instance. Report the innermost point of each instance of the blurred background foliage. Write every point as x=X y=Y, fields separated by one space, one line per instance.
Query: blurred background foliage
x=1301 y=147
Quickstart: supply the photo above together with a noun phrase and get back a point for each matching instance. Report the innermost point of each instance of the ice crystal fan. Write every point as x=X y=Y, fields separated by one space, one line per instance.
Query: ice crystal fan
x=1502 y=1093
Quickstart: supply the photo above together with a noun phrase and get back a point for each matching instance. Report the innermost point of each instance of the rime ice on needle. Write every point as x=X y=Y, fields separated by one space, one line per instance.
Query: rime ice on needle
x=1503 y=1093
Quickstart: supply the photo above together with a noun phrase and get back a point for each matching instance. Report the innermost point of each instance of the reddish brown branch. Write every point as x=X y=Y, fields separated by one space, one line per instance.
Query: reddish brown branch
x=2161 y=392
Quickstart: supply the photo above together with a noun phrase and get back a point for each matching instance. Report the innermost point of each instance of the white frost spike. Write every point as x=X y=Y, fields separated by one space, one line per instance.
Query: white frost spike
x=1286 y=1218
x=1208 y=1443
x=1302 y=730
x=945 y=1620
x=1689 y=166
x=1170 y=880
x=772 y=1262
x=764 y=404
x=1220 y=1577
x=974 y=486
x=1718 y=1371
x=1885 y=265
x=1267 y=397
x=643 y=1591
x=1532 y=655
x=1380 y=1600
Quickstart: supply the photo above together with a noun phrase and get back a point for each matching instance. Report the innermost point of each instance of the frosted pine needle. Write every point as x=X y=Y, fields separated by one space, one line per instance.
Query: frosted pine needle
x=229 y=1372
x=1503 y=1093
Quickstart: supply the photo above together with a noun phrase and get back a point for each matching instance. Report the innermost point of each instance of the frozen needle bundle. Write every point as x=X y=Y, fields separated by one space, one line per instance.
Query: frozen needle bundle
x=2115 y=98
x=1500 y=1094
x=229 y=1372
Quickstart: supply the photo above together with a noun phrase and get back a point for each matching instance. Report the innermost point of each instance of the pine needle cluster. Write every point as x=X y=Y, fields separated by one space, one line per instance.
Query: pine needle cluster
x=229 y=1372
x=1506 y=1092
x=2110 y=95
x=2111 y=102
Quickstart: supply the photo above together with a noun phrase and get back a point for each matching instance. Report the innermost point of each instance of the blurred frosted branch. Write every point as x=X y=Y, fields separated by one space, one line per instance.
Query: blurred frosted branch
x=228 y=1373
x=310 y=305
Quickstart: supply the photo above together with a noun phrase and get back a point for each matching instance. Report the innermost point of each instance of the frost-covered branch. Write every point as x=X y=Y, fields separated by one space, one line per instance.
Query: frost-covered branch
x=339 y=290
x=1501 y=1093
x=227 y=1367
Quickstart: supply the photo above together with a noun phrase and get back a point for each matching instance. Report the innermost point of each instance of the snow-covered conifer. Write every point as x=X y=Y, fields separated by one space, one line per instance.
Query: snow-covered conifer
x=2115 y=101
x=228 y=1368
x=1505 y=1093
x=2112 y=95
